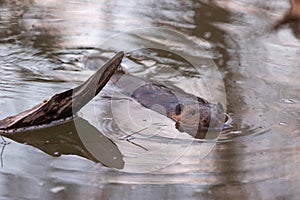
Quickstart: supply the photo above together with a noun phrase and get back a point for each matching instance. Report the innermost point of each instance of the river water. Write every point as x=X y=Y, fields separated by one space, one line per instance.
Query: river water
x=223 y=50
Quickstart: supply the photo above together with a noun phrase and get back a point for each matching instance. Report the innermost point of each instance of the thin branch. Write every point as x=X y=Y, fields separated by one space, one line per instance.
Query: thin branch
x=138 y=145
x=129 y=137
x=2 y=150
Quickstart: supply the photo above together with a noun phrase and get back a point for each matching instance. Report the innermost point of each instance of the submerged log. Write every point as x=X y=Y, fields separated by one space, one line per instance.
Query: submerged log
x=65 y=104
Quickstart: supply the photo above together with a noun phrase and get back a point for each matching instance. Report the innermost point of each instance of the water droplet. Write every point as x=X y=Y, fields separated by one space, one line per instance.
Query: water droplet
x=238 y=82
x=236 y=132
x=207 y=35
x=282 y=123
x=289 y=101
x=148 y=63
x=57 y=189
x=41 y=184
x=130 y=156
x=47 y=141
x=70 y=133
x=115 y=158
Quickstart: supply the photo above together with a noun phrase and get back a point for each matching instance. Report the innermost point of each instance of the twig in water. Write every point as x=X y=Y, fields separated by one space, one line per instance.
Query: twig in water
x=129 y=137
x=2 y=150
x=1 y=155
x=138 y=145
x=125 y=137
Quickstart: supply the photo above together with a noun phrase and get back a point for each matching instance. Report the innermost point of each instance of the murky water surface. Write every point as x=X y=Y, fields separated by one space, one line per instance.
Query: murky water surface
x=117 y=148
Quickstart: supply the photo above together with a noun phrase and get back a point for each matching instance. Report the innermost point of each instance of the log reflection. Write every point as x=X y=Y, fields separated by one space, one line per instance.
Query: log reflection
x=76 y=137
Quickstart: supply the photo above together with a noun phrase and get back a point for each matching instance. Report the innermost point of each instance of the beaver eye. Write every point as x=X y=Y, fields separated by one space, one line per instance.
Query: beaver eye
x=178 y=109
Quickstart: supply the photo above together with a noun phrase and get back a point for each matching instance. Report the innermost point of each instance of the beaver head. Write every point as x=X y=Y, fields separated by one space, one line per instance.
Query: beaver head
x=199 y=118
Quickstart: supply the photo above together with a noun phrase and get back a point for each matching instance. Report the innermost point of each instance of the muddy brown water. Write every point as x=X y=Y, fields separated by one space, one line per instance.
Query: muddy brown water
x=44 y=46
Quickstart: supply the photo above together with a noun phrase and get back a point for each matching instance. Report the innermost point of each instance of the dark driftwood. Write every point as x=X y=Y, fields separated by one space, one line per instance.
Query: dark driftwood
x=65 y=104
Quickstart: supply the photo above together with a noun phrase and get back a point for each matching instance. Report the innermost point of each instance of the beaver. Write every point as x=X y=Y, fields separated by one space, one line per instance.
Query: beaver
x=193 y=115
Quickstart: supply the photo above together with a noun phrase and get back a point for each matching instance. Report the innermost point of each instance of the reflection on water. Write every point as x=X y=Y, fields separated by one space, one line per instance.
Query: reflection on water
x=64 y=139
x=42 y=50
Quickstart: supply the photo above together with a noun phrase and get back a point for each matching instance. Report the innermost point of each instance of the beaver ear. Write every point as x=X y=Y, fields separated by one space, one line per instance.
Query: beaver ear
x=178 y=109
